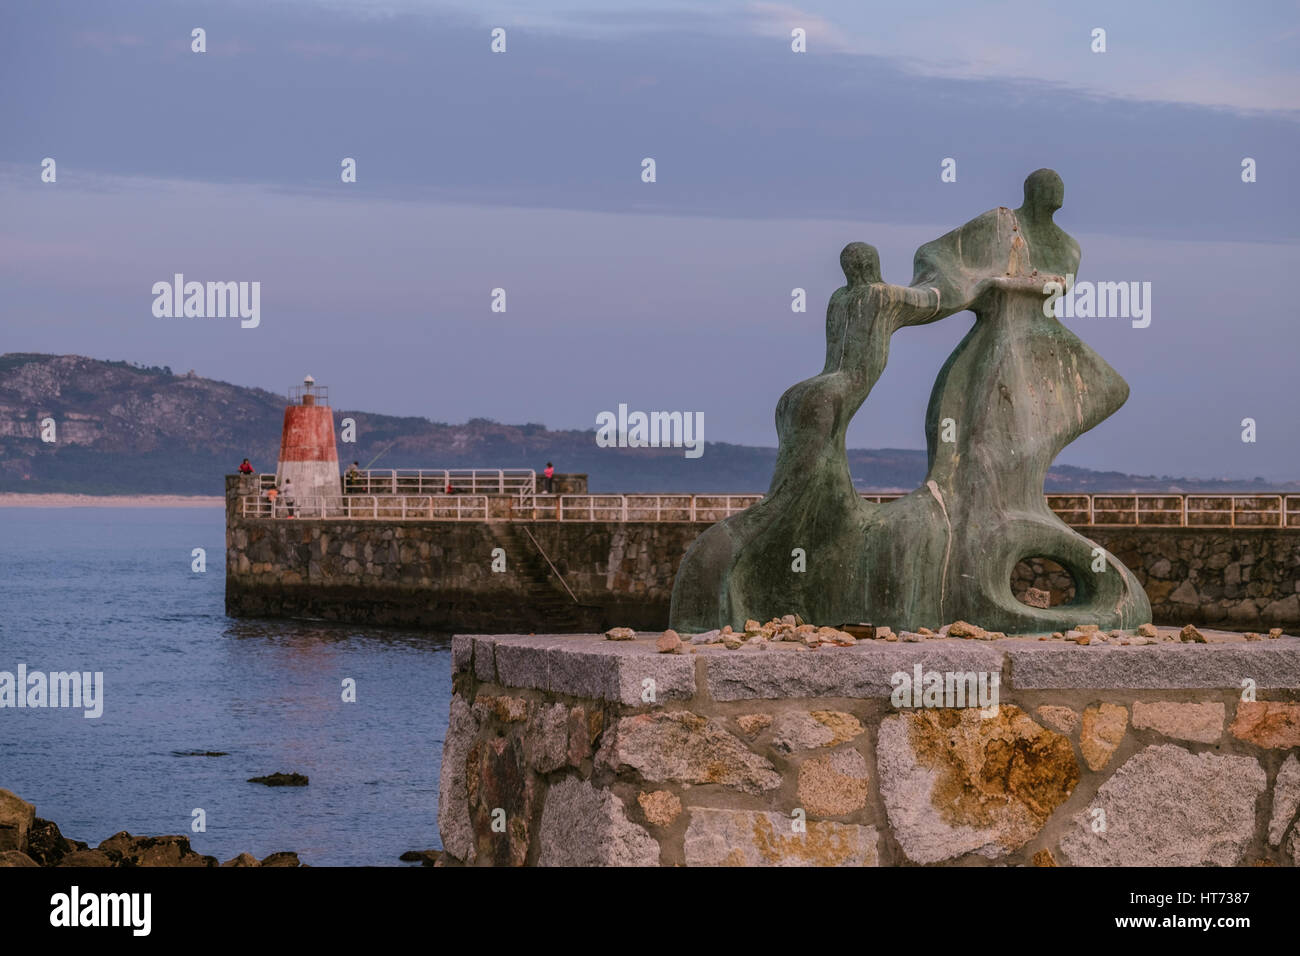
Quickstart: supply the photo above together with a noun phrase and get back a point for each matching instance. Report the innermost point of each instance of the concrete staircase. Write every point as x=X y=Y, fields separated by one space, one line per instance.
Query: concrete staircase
x=547 y=599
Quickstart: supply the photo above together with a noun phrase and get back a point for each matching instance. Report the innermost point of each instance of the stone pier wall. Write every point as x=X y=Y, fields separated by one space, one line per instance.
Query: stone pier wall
x=574 y=750
x=1238 y=578
x=438 y=574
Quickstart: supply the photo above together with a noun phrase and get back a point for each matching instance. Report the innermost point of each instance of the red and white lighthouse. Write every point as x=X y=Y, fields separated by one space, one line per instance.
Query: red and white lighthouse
x=309 y=459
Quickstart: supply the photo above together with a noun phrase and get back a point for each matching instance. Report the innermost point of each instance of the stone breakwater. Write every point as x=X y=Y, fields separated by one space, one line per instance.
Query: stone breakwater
x=439 y=574
x=27 y=840
x=590 y=750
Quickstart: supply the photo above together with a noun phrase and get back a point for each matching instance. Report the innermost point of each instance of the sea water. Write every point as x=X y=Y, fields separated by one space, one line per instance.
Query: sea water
x=114 y=591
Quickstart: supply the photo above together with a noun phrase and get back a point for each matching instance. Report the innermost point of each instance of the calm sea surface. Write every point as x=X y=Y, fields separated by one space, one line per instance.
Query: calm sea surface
x=112 y=590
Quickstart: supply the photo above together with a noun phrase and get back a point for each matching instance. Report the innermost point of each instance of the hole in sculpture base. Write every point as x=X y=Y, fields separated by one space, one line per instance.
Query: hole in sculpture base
x=1041 y=582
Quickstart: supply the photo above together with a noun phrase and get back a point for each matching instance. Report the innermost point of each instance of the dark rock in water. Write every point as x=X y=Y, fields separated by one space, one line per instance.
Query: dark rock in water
x=127 y=850
x=281 y=780
x=47 y=846
x=200 y=753
x=16 y=818
x=423 y=857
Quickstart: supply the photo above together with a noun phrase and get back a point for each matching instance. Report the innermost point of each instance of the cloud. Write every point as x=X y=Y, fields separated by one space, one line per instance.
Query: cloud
x=778 y=19
x=1208 y=55
x=1242 y=63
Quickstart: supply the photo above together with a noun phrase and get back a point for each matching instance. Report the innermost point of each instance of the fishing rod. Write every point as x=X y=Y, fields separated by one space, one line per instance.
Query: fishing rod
x=381 y=452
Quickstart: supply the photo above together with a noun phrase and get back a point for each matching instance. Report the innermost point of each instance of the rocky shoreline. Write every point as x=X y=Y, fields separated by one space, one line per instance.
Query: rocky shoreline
x=27 y=840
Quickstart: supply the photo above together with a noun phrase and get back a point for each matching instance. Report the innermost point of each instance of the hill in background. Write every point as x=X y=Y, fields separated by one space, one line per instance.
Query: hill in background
x=130 y=429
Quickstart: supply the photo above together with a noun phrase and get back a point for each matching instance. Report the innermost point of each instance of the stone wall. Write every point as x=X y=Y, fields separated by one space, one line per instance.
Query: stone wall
x=1242 y=578
x=574 y=750
x=1045 y=575
x=437 y=574
x=570 y=483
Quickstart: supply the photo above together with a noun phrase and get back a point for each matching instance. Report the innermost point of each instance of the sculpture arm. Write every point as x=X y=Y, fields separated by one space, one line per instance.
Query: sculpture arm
x=954 y=287
x=959 y=263
x=909 y=305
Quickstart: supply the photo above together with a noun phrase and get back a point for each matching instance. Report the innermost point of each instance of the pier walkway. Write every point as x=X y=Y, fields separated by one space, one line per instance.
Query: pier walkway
x=511 y=494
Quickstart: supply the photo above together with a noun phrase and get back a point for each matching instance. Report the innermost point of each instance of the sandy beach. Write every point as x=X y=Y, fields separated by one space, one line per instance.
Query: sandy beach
x=12 y=500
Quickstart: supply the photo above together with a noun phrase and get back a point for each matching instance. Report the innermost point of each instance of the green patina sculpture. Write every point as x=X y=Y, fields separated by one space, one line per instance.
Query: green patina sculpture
x=1018 y=389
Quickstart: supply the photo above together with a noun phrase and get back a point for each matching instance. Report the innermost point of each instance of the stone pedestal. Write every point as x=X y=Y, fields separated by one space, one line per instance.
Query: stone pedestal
x=576 y=750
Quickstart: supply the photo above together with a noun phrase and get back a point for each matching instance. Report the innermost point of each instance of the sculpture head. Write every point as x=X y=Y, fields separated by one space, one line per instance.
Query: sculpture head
x=1044 y=194
x=861 y=263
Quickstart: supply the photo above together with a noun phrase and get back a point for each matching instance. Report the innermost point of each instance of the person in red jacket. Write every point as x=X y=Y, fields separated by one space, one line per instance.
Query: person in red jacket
x=245 y=468
x=548 y=478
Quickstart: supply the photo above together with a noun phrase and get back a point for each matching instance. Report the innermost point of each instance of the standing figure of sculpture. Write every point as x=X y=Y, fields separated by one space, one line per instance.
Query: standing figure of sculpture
x=749 y=564
x=1017 y=390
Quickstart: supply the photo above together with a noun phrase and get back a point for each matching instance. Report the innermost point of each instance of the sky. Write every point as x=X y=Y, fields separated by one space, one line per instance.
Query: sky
x=522 y=170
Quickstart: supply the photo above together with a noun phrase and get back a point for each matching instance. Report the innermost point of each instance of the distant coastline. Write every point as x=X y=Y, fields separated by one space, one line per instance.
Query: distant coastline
x=131 y=430
x=15 y=500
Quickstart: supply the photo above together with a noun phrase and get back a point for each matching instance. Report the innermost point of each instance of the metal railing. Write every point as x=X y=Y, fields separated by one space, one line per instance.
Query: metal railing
x=551 y=564
x=1103 y=511
x=432 y=481
x=1169 y=511
x=1178 y=511
x=319 y=394
x=391 y=507
x=1140 y=510
x=425 y=481
x=705 y=508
